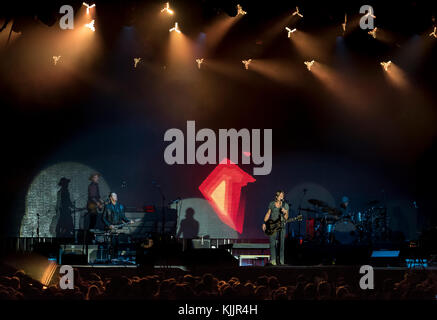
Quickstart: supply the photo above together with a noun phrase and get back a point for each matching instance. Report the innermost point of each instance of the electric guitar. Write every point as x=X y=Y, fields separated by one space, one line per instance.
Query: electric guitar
x=273 y=226
x=121 y=225
x=95 y=208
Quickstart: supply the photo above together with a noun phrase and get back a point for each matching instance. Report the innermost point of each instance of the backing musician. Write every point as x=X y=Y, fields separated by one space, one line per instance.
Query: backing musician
x=95 y=203
x=277 y=208
x=344 y=207
x=113 y=216
x=113 y=213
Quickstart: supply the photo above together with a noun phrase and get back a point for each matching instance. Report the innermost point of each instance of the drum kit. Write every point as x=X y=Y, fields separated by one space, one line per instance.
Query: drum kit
x=327 y=225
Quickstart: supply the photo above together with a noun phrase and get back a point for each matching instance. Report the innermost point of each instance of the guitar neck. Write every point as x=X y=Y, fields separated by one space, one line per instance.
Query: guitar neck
x=294 y=219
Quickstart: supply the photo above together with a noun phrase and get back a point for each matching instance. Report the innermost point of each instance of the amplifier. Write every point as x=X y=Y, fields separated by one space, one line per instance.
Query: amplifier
x=201 y=244
x=69 y=253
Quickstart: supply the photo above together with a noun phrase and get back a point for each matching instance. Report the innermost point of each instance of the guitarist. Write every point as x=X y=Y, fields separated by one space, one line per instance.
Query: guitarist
x=95 y=203
x=278 y=209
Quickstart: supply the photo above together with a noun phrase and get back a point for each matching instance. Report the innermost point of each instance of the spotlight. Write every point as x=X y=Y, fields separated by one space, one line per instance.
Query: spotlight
x=297 y=13
x=309 y=64
x=246 y=63
x=136 y=61
x=290 y=31
x=199 y=62
x=343 y=25
x=433 y=34
x=167 y=8
x=240 y=11
x=91 y=26
x=386 y=65
x=56 y=59
x=373 y=32
x=175 y=28
x=88 y=7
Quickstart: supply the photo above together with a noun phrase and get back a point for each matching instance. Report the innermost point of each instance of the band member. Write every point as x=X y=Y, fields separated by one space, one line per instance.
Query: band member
x=113 y=214
x=95 y=203
x=344 y=207
x=63 y=220
x=277 y=208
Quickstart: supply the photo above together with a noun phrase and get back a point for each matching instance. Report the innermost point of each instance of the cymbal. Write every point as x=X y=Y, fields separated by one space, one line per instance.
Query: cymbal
x=332 y=211
x=308 y=210
x=318 y=203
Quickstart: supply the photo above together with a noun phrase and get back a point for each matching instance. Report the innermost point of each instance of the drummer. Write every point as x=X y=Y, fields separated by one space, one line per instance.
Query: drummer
x=344 y=207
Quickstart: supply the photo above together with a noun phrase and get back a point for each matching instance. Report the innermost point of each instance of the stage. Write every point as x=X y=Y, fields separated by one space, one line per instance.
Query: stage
x=218 y=149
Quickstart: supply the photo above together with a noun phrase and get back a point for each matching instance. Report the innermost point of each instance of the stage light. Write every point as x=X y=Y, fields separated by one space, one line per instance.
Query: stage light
x=297 y=13
x=343 y=25
x=175 y=28
x=91 y=26
x=199 y=62
x=290 y=31
x=240 y=11
x=167 y=8
x=370 y=13
x=246 y=63
x=88 y=7
x=56 y=59
x=136 y=61
x=433 y=34
x=309 y=64
x=373 y=32
x=386 y=65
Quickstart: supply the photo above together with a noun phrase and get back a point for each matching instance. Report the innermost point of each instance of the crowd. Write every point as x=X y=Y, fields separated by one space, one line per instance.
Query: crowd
x=92 y=286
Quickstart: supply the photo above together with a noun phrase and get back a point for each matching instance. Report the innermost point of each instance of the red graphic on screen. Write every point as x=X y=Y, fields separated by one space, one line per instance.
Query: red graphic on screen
x=222 y=188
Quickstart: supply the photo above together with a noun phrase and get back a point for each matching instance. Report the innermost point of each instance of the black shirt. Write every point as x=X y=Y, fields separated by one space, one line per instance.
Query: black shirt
x=114 y=214
x=93 y=192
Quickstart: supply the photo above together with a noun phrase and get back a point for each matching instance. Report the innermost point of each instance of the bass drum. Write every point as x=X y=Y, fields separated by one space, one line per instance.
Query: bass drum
x=345 y=232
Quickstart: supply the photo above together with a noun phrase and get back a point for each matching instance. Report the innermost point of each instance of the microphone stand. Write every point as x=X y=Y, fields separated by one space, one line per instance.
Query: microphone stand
x=285 y=201
x=163 y=209
x=74 y=222
x=37 y=226
x=299 y=212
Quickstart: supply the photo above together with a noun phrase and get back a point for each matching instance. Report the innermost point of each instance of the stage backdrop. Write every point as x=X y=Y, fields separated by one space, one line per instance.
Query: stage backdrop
x=196 y=218
x=45 y=198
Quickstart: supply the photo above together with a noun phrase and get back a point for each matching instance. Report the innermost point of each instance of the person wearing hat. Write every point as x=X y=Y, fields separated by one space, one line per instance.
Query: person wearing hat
x=64 y=206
